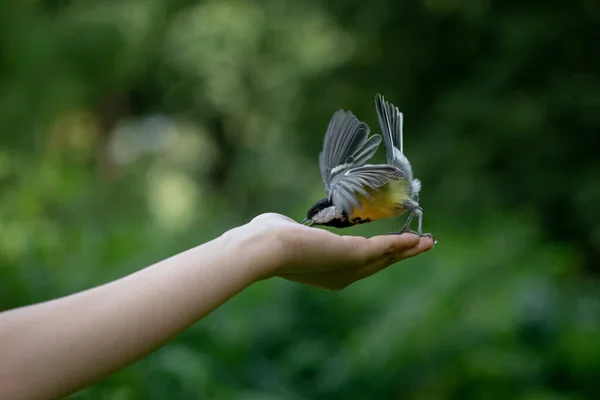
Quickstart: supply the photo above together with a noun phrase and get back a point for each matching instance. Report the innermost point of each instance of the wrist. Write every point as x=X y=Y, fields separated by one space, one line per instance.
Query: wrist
x=259 y=248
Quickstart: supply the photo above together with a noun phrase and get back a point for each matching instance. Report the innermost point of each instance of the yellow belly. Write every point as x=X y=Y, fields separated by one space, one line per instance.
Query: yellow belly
x=387 y=202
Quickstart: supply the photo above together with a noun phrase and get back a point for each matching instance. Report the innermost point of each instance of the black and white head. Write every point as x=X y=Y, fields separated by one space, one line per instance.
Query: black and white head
x=323 y=212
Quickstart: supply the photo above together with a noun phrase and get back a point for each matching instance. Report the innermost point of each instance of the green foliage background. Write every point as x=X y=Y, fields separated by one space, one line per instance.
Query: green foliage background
x=134 y=129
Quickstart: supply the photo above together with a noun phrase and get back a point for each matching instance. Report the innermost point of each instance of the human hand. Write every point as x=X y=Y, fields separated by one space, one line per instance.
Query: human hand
x=321 y=258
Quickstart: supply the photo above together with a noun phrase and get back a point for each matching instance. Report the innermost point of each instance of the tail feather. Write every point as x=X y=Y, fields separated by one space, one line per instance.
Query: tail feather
x=390 y=121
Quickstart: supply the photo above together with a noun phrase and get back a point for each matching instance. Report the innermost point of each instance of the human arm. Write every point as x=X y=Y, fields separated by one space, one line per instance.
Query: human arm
x=51 y=349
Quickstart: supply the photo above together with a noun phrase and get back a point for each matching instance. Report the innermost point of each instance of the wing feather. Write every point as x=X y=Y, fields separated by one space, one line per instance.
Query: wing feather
x=345 y=187
x=390 y=122
x=346 y=145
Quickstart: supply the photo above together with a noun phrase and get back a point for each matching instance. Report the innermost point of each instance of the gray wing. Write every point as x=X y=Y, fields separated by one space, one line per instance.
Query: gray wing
x=390 y=122
x=345 y=146
x=346 y=187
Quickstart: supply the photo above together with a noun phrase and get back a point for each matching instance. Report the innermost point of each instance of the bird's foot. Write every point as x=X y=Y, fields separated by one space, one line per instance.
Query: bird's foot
x=404 y=230
x=429 y=235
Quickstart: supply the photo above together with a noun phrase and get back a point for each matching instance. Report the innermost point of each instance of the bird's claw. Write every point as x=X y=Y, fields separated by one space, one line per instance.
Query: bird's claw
x=406 y=230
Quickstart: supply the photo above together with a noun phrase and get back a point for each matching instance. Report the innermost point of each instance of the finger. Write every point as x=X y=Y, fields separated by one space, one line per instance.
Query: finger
x=423 y=245
x=379 y=246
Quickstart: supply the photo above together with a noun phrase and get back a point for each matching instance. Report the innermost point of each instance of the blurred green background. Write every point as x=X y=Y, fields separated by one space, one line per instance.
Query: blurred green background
x=135 y=129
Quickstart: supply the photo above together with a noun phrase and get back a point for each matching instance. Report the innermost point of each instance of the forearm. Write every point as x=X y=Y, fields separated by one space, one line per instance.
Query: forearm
x=52 y=349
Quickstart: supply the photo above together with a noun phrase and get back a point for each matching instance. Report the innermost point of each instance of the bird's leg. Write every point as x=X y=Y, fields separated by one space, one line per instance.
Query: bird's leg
x=406 y=227
x=418 y=212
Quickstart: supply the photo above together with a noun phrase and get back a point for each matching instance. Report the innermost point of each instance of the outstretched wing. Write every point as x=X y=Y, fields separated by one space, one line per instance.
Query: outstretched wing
x=390 y=122
x=346 y=187
x=345 y=146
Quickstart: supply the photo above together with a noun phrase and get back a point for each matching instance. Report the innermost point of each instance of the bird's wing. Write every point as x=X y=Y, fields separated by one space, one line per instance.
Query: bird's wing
x=347 y=186
x=390 y=122
x=345 y=146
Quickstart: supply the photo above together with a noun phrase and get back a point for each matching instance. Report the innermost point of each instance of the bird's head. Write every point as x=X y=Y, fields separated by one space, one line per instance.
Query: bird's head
x=323 y=212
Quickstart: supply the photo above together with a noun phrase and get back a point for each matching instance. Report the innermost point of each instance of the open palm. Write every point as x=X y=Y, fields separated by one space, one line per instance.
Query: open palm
x=321 y=258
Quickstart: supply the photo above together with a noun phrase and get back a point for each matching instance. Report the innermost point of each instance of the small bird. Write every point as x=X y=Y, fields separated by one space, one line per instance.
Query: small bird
x=357 y=192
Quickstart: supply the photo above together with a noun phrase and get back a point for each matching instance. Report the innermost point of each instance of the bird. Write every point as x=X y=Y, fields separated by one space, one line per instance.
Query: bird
x=358 y=192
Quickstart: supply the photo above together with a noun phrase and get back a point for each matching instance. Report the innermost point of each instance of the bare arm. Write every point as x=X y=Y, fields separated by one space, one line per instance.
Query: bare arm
x=52 y=349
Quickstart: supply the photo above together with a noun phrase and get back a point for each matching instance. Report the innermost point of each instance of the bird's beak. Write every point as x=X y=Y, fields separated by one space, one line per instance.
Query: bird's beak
x=306 y=222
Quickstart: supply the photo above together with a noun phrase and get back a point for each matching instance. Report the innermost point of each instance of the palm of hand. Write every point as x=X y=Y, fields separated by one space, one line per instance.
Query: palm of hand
x=320 y=258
